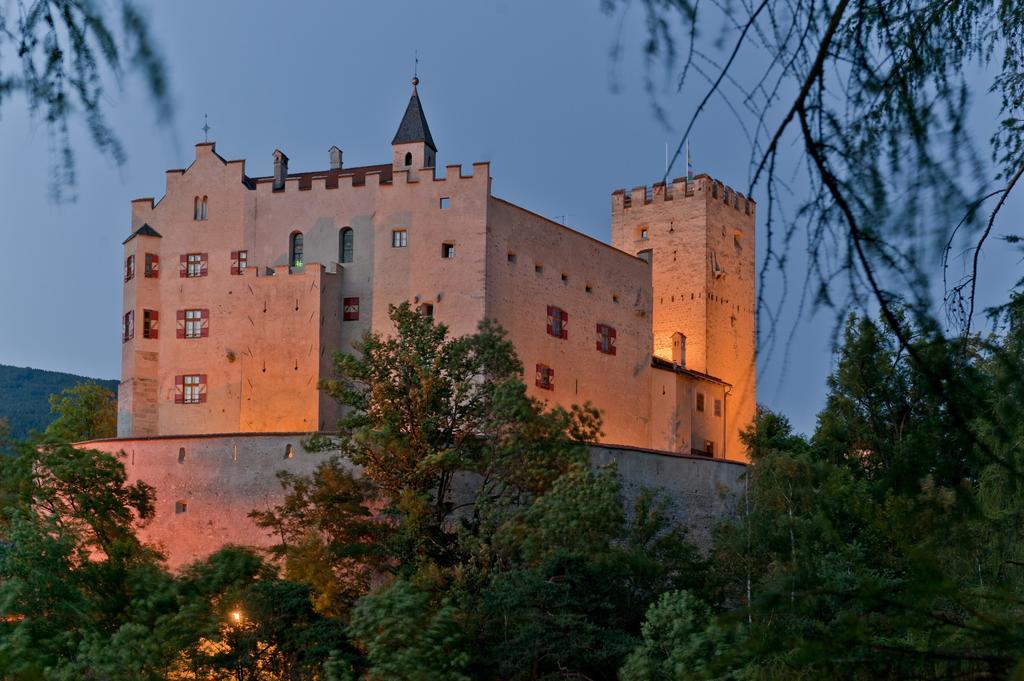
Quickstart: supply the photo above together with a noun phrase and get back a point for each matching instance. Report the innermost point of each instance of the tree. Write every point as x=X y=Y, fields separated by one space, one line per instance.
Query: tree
x=84 y=412
x=62 y=49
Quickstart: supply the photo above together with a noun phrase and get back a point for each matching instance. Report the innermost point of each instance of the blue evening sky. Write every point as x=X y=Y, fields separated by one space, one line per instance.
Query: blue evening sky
x=526 y=85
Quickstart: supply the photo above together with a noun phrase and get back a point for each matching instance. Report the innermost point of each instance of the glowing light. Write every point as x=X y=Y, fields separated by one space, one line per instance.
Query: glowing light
x=236 y=616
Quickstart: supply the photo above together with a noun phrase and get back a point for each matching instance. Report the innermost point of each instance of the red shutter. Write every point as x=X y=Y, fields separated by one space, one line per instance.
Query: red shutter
x=234 y=263
x=155 y=269
x=540 y=376
x=179 y=390
x=203 y=258
x=551 y=321
x=202 y=388
x=611 y=340
x=204 y=324
x=179 y=324
x=565 y=324
x=350 y=309
x=183 y=266
x=154 y=324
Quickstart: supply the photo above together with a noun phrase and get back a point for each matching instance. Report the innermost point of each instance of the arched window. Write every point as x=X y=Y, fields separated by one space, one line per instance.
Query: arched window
x=408 y=158
x=204 y=209
x=346 y=244
x=196 y=209
x=295 y=250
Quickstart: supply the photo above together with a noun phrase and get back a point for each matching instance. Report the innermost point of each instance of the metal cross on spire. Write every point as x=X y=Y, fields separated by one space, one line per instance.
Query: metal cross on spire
x=206 y=129
x=415 y=63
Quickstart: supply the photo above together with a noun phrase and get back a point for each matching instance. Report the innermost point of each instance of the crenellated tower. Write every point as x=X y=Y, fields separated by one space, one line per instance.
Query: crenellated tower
x=699 y=237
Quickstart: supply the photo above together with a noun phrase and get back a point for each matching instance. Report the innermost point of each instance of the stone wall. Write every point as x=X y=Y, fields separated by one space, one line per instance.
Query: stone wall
x=207 y=485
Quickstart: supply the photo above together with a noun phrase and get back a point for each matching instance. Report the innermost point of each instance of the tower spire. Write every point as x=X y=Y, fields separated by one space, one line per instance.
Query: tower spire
x=413 y=127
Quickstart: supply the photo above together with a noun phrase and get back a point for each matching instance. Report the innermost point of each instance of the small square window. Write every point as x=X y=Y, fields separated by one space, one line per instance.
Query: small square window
x=448 y=251
x=399 y=238
x=565 y=278
x=511 y=258
x=700 y=401
x=643 y=234
x=446 y=203
x=180 y=506
x=588 y=288
x=426 y=309
x=615 y=297
x=538 y=268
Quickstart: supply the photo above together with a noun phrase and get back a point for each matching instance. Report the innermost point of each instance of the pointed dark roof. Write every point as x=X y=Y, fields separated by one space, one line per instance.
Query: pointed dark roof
x=145 y=230
x=414 y=126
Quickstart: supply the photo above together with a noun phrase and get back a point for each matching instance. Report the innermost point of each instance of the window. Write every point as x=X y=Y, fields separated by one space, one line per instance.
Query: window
x=180 y=506
x=558 y=322
x=199 y=211
x=408 y=158
x=588 y=288
x=347 y=246
x=605 y=339
x=295 y=250
x=545 y=377
x=192 y=265
x=426 y=309
x=190 y=389
x=350 y=309
x=128 y=326
x=152 y=266
x=565 y=278
x=718 y=407
x=150 y=324
x=288 y=452
x=448 y=251
x=129 y=267
x=615 y=297
x=538 y=268
x=181 y=455
x=511 y=258
x=399 y=238
x=700 y=401
x=193 y=323
x=709 y=447
x=446 y=203
x=239 y=261
x=644 y=234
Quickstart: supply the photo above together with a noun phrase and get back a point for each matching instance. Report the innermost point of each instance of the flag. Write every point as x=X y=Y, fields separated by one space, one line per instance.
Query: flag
x=689 y=164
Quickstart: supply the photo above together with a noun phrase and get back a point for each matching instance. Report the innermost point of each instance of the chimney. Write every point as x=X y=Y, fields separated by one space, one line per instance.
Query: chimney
x=280 y=169
x=335 y=153
x=679 y=349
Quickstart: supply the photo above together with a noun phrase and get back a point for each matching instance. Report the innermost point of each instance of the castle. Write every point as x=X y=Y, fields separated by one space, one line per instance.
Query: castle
x=238 y=290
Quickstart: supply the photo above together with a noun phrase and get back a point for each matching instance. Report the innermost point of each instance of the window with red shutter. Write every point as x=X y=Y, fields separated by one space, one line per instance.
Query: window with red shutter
x=129 y=267
x=545 y=377
x=179 y=390
x=152 y=266
x=203 y=264
x=150 y=324
x=128 y=327
x=350 y=310
x=558 y=320
x=193 y=388
x=193 y=265
x=179 y=324
x=605 y=339
x=204 y=324
x=239 y=261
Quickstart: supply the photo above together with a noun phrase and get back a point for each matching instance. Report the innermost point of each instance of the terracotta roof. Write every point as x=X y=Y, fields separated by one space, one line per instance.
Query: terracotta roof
x=413 y=127
x=145 y=230
x=357 y=173
x=665 y=365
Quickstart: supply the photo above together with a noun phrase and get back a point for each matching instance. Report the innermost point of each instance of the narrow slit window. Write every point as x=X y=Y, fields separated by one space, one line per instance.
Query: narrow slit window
x=347 y=245
x=295 y=256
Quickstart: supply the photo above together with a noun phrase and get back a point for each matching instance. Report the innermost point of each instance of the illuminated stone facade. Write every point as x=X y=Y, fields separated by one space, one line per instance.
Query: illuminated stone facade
x=238 y=289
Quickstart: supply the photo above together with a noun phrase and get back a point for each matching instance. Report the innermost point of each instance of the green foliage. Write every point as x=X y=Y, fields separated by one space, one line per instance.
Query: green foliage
x=30 y=411
x=408 y=637
x=63 y=50
x=87 y=411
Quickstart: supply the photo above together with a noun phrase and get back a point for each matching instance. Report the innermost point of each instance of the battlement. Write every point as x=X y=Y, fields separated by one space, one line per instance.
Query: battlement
x=679 y=189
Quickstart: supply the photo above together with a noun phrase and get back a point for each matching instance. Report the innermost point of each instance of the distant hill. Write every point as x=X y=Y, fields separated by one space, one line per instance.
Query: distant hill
x=25 y=396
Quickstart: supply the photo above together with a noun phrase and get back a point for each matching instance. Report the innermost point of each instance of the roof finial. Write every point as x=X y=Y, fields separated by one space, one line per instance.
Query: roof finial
x=415 y=68
x=206 y=129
